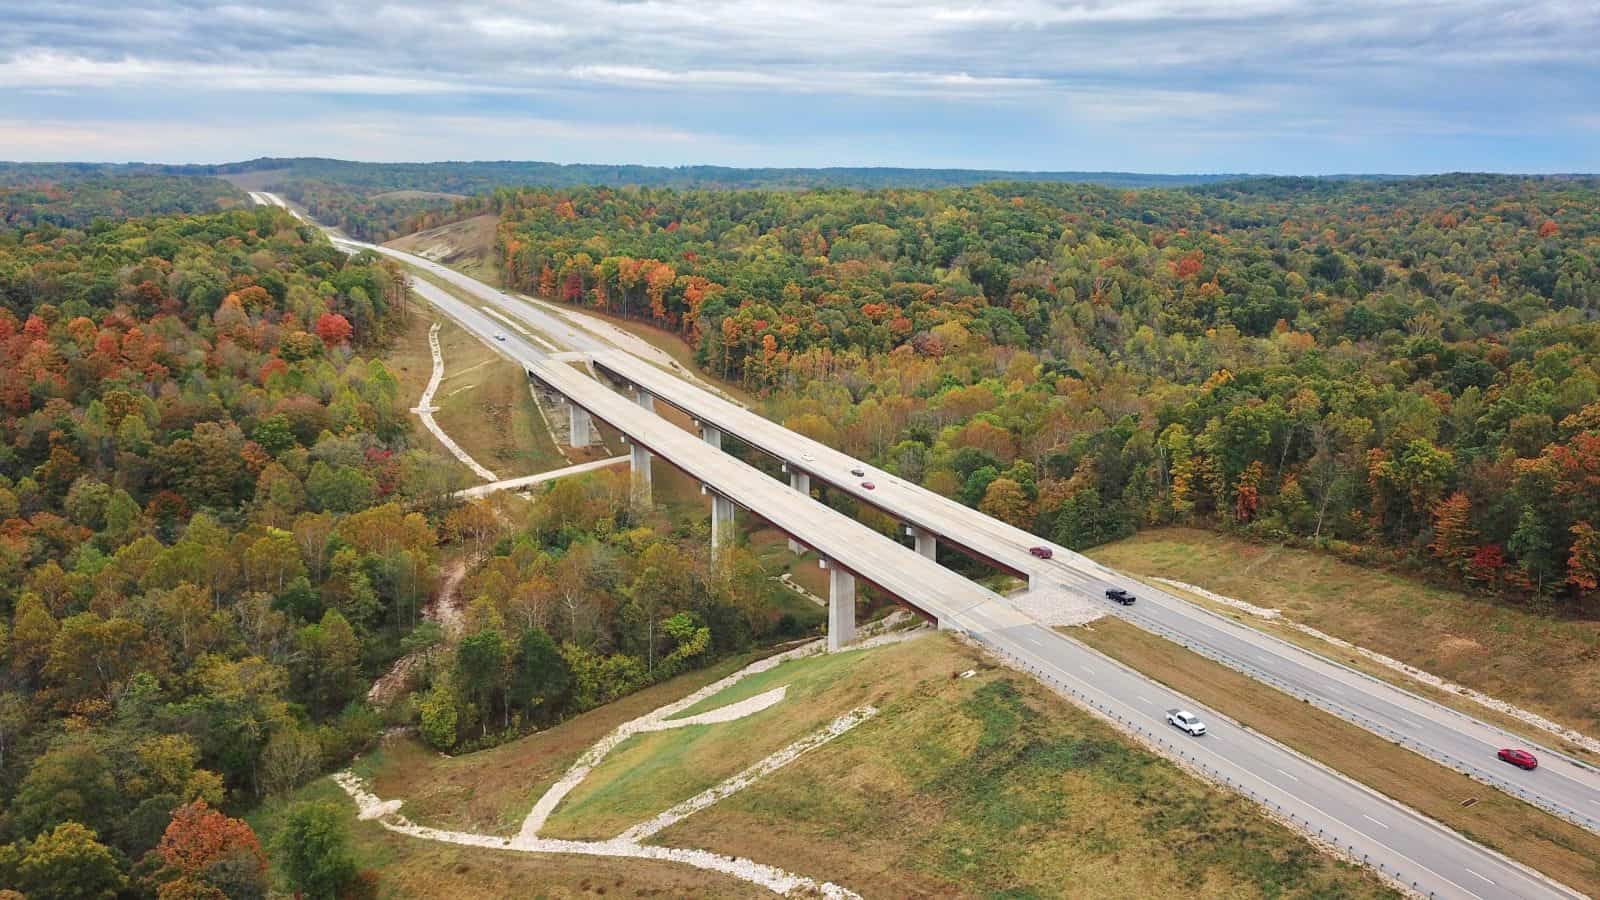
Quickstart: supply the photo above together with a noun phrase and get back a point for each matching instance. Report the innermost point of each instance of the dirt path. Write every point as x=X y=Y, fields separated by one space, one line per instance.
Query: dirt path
x=425 y=410
x=630 y=843
x=445 y=609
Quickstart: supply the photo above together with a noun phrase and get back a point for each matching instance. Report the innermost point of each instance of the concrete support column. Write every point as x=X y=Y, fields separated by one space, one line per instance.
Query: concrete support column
x=722 y=531
x=801 y=482
x=841 y=608
x=924 y=541
x=712 y=436
x=644 y=399
x=639 y=464
x=578 y=431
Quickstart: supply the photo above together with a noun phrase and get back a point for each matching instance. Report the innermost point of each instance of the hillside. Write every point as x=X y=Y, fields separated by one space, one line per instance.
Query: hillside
x=1407 y=370
x=915 y=781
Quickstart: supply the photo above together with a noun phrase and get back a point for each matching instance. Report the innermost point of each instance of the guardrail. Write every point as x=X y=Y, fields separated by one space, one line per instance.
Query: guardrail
x=1462 y=766
x=1325 y=833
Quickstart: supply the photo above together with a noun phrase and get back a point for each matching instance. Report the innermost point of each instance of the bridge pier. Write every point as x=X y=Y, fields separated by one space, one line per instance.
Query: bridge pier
x=644 y=399
x=712 y=436
x=578 y=430
x=801 y=482
x=841 y=608
x=722 y=531
x=926 y=544
x=639 y=466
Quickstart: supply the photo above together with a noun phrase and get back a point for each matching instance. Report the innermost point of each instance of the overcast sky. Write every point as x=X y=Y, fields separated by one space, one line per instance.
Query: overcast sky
x=1290 y=86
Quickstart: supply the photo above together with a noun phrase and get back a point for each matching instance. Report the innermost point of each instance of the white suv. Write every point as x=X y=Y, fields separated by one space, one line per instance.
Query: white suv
x=1186 y=722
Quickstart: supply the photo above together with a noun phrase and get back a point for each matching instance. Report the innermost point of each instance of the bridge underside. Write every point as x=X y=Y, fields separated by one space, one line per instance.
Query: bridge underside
x=841 y=581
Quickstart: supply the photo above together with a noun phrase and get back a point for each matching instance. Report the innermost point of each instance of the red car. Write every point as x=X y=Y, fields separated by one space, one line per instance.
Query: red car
x=1042 y=552
x=1522 y=759
x=868 y=485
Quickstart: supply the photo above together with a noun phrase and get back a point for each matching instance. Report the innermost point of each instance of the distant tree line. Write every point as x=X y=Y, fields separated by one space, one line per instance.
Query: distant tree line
x=1404 y=370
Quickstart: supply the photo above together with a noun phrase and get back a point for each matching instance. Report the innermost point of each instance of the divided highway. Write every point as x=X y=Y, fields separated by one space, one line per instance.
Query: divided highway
x=1409 y=847
x=1560 y=785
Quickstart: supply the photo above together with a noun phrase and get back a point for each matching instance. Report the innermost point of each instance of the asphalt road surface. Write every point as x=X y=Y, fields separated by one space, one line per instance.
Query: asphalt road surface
x=1409 y=848
x=1561 y=785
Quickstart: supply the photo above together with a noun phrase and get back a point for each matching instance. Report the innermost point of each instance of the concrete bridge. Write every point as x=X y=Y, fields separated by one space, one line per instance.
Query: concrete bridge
x=1413 y=850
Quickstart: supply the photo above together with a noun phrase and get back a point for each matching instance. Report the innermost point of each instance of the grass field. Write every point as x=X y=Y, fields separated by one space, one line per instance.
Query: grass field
x=491 y=791
x=483 y=402
x=1517 y=829
x=467 y=246
x=412 y=869
x=991 y=786
x=1544 y=663
x=649 y=773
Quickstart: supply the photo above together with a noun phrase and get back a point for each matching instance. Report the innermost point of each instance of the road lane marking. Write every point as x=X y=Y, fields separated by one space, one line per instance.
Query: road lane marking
x=1086 y=669
x=1143 y=699
x=1476 y=875
x=1292 y=778
x=1372 y=820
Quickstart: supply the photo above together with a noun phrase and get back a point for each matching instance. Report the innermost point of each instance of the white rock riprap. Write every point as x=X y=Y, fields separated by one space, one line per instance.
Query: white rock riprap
x=370 y=807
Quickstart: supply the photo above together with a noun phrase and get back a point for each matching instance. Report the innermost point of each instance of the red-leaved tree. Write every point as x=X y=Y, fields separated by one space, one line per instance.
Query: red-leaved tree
x=334 y=329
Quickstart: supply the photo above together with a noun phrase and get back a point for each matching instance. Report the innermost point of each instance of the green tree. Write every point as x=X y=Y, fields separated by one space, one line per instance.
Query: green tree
x=539 y=677
x=312 y=849
x=67 y=863
x=481 y=670
x=330 y=663
x=1530 y=544
x=75 y=782
x=437 y=714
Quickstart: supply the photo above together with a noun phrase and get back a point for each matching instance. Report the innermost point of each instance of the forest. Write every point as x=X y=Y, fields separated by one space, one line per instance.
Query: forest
x=215 y=533
x=1404 y=372
x=67 y=197
x=380 y=201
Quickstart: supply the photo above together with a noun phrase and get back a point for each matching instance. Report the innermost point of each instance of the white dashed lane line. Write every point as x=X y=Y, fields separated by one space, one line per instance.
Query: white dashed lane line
x=1372 y=820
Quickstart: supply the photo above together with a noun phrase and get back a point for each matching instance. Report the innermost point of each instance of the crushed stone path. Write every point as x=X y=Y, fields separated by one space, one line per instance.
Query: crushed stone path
x=629 y=843
x=744 y=779
x=425 y=410
x=386 y=812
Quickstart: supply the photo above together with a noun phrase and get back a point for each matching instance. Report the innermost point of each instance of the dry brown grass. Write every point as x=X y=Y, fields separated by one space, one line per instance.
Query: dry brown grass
x=491 y=791
x=410 y=868
x=467 y=246
x=993 y=786
x=651 y=772
x=1543 y=663
x=1523 y=832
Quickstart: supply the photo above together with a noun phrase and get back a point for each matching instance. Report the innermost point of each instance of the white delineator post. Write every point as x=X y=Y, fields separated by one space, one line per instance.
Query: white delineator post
x=841 y=607
x=578 y=430
x=926 y=544
x=801 y=482
x=722 y=532
x=639 y=464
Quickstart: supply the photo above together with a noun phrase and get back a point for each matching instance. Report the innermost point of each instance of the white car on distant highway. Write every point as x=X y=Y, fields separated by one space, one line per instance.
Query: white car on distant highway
x=1186 y=721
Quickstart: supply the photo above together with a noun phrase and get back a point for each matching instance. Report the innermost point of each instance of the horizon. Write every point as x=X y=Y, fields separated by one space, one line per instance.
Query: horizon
x=1281 y=87
x=1207 y=174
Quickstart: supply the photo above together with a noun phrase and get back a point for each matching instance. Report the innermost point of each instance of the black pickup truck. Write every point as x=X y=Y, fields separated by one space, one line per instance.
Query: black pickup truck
x=1119 y=595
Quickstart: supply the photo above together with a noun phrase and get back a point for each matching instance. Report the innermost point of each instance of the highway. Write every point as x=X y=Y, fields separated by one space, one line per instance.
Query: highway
x=1561 y=785
x=1408 y=847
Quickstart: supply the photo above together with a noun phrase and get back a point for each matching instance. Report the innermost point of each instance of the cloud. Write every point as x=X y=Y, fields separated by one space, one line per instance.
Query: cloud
x=1027 y=83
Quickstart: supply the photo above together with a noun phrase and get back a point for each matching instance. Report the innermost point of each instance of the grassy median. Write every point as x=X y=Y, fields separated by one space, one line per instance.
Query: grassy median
x=1536 y=659
x=1521 y=831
